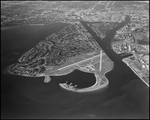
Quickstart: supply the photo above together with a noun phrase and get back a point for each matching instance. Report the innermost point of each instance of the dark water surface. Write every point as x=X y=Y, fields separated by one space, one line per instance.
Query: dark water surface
x=24 y=97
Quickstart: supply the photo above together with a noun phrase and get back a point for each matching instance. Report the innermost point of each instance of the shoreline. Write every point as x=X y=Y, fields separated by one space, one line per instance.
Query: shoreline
x=14 y=27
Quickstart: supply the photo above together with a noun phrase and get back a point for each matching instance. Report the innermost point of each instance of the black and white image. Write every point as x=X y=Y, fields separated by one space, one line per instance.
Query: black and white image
x=74 y=59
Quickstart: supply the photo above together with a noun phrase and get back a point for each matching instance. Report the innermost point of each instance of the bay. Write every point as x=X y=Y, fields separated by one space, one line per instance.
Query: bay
x=25 y=97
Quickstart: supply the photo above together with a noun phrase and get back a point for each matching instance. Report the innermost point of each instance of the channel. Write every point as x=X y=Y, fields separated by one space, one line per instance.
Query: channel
x=116 y=58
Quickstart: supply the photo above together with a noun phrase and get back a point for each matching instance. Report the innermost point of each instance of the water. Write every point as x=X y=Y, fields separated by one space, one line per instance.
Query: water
x=23 y=97
x=106 y=46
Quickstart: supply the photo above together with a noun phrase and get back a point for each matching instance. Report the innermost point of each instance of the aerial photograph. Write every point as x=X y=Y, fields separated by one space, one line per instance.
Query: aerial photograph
x=74 y=59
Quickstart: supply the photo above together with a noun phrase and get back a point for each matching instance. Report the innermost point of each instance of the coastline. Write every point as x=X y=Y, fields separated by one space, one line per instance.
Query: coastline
x=14 y=27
